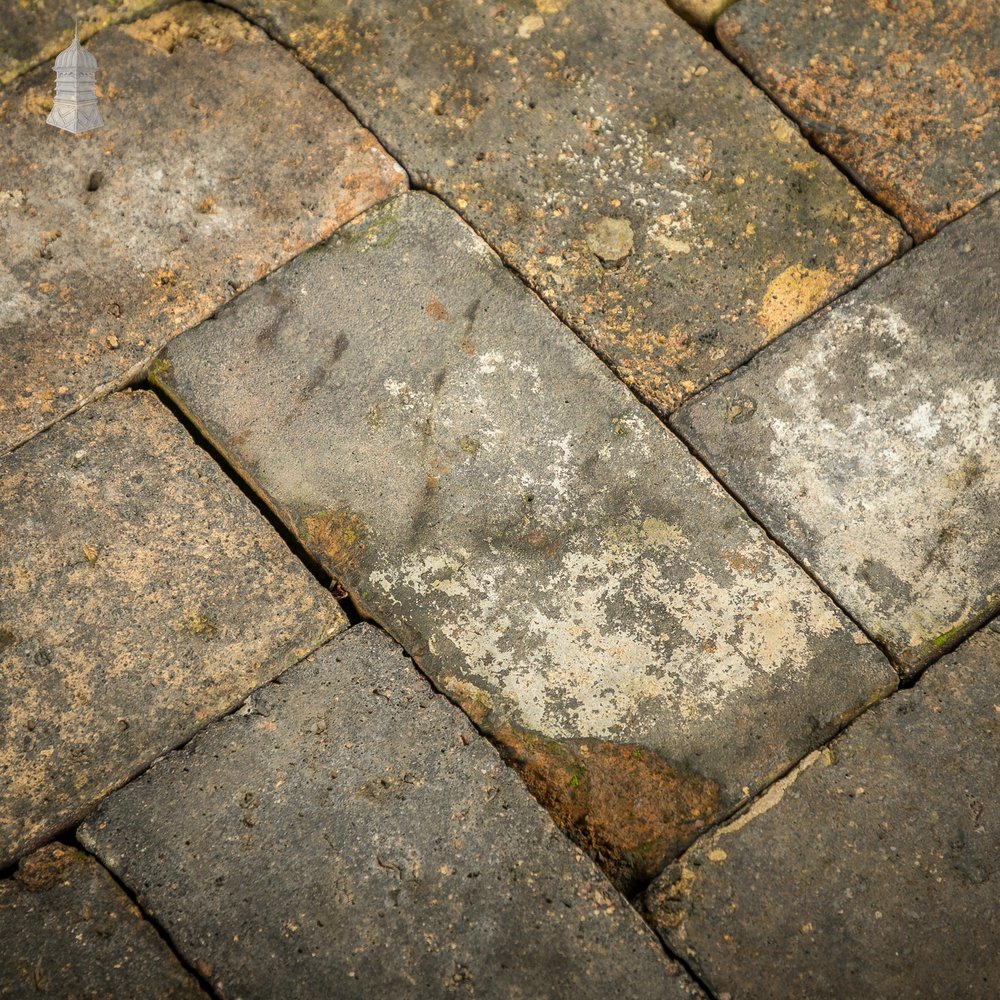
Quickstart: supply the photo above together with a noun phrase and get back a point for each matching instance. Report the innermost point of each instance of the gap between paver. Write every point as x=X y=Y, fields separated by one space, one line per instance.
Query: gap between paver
x=259 y=500
x=172 y=230
x=168 y=941
x=420 y=218
x=664 y=345
x=810 y=138
x=709 y=34
x=70 y=841
x=271 y=516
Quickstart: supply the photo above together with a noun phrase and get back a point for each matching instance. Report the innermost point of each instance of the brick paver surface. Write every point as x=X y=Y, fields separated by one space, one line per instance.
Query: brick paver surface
x=141 y=594
x=868 y=441
x=349 y=834
x=872 y=870
x=221 y=158
x=682 y=624
x=32 y=32
x=68 y=931
x=904 y=95
x=633 y=175
x=551 y=554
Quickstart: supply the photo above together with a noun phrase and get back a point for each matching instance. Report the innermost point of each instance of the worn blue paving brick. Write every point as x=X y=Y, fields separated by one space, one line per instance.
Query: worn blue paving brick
x=349 y=834
x=868 y=442
x=67 y=931
x=539 y=541
x=871 y=870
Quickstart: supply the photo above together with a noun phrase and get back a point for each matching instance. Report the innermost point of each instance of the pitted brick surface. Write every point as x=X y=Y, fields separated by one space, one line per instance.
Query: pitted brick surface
x=871 y=871
x=141 y=594
x=68 y=931
x=552 y=554
x=639 y=182
x=220 y=159
x=904 y=95
x=349 y=834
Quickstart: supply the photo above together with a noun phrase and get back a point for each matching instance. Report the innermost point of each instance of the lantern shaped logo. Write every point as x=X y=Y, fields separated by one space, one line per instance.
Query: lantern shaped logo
x=75 y=106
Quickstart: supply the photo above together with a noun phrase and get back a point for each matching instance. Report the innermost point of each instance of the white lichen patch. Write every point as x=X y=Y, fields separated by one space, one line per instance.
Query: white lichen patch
x=890 y=467
x=628 y=621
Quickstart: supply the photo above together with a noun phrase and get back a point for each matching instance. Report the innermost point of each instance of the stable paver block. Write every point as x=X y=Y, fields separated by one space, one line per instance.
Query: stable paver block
x=69 y=931
x=141 y=595
x=31 y=33
x=868 y=442
x=653 y=196
x=545 y=548
x=349 y=834
x=871 y=870
x=221 y=158
x=904 y=96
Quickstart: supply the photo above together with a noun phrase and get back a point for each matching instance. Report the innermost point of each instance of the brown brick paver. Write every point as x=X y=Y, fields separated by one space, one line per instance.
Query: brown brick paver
x=221 y=159
x=906 y=96
x=652 y=620
x=638 y=181
x=141 y=594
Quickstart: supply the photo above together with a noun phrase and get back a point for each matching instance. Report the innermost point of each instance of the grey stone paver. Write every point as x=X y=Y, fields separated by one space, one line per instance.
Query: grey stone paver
x=904 y=95
x=868 y=442
x=547 y=550
x=31 y=32
x=349 y=834
x=551 y=125
x=872 y=871
x=68 y=931
x=141 y=594
x=221 y=158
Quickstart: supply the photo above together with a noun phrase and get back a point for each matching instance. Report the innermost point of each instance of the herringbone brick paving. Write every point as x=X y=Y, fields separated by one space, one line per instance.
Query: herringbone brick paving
x=430 y=415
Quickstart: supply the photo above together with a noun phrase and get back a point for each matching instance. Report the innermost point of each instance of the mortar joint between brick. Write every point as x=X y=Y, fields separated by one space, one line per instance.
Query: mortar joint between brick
x=150 y=919
x=704 y=459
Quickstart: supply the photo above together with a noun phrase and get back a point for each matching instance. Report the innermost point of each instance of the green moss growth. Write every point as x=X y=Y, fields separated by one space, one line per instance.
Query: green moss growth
x=160 y=368
x=946 y=638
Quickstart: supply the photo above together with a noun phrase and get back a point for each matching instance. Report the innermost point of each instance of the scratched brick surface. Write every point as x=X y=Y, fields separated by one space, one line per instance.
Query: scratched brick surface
x=868 y=442
x=904 y=95
x=221 y=158
x=548 y=551
x=349 y=834
x=872 y=870
x=141 y=595
x=639 y=182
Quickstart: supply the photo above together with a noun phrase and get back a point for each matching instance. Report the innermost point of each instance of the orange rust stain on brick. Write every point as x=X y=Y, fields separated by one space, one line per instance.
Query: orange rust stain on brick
x=436 y=310
x=341 y=537
x=793 y=295
x=48 y=867
x=622 y=803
